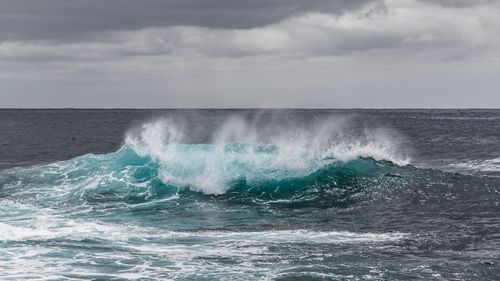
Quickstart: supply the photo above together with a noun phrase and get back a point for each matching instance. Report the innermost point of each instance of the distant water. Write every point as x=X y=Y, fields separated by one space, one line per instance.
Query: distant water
x=250 y=194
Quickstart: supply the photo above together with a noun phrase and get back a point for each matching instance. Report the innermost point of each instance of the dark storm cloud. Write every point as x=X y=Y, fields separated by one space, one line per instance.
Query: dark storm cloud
x=101 y=30
x=249 y=53
x=77 y=19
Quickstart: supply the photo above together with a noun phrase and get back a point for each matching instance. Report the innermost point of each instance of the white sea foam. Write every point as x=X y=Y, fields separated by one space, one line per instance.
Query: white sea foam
x=36 y=245
x=181 y=254
x=266 y=152
x=488 y=165
x=49 y=227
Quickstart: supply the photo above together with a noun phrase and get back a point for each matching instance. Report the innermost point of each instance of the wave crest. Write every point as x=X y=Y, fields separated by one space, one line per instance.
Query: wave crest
x=163 y=164
x=243 y=150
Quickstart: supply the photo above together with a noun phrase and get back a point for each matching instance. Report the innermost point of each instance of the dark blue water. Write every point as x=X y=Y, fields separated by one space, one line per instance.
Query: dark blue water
x=250 y=195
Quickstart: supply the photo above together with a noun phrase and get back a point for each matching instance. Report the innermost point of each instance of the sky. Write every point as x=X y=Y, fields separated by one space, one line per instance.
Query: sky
x=249 y=54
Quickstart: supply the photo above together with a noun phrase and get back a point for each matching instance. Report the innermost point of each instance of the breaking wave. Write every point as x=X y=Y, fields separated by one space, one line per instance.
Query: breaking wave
x=240 y=160
x=239 y=153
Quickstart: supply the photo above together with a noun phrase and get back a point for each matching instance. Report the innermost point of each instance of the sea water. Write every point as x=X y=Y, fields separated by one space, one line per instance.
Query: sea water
x=250 y=195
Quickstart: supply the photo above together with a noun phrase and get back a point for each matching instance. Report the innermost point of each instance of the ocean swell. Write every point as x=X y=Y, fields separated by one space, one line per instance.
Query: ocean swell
x=242 y=152
x=321 y=165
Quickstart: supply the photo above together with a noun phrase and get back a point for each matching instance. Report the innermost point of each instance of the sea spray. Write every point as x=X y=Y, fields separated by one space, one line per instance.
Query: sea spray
x=338 y=211
x=252 y=151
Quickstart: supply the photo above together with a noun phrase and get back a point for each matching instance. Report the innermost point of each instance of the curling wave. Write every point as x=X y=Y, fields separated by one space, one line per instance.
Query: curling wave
x=234 y=170
x=239 y=153
x=322 y=165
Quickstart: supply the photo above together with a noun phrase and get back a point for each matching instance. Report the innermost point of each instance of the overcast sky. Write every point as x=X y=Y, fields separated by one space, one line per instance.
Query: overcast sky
x=255 y=53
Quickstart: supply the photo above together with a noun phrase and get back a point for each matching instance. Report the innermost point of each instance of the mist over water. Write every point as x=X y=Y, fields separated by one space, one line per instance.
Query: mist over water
x=272 y=195
x=254 y=150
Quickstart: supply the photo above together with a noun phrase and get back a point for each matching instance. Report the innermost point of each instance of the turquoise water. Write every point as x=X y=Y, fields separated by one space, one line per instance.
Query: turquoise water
x=131 y=213
x=314 y=203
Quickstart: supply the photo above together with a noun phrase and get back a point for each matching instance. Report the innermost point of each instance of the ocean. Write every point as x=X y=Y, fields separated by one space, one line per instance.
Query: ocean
x=298 y=194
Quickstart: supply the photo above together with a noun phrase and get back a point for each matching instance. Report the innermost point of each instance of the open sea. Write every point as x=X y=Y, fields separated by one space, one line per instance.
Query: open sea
x=249 y=194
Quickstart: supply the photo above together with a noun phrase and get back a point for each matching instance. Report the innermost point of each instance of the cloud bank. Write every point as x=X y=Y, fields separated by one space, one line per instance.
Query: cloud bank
x=183 y=41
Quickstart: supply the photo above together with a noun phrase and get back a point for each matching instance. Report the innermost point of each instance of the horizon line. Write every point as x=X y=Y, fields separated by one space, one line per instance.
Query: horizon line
x=248 y=108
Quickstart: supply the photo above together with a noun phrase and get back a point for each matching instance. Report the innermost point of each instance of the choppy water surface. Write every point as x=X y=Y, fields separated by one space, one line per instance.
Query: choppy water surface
x=250 y=195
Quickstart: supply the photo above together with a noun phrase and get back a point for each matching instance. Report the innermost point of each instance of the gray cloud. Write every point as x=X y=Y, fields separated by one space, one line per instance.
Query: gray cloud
x=397 y=26
x=210 y=53
x=460 y=3
x=76 y=19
